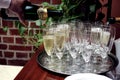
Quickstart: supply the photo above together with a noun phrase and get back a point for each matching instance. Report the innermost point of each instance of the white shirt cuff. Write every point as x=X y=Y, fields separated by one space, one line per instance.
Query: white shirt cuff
x=5 y=3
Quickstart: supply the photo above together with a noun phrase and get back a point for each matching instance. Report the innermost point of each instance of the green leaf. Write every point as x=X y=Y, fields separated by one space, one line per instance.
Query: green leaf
x=5 y=28
x=71 y=7
x=38 y=22
x=49 y=21
x=21 y=30
x=62 y=0
x=60 y=7
x=45 y=4
x=40 y=40
x=92 y=8
x=18 y=24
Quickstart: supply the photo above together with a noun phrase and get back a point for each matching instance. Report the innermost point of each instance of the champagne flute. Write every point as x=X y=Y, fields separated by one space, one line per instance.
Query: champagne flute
x=107 y=40
x=48 y=41
x=108 y=36
x=87 y=48
x=60 y=38
x=74 y=44
x=96 y=31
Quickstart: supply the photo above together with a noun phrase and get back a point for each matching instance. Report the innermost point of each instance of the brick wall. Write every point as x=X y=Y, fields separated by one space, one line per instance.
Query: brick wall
x=13 y=51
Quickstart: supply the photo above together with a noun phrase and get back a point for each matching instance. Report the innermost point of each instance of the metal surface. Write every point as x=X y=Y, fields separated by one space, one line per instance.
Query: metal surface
x=65 y=66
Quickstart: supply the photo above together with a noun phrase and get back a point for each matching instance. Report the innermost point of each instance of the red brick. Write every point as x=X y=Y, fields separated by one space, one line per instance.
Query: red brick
x=3 y=61
x=20 y=48
x=17 y=62
x=21 y=55
x=9 y=54
x=14 y=32
x=1 y=54
x=3 y=46
x=56 y=1
x=8 y=39
x=8 y=23
x=2 y=32
x=0 y=38
x=19 y=40
x=33 y=25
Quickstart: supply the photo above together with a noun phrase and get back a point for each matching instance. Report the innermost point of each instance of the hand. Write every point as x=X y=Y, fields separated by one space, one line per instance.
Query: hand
x=17 y=7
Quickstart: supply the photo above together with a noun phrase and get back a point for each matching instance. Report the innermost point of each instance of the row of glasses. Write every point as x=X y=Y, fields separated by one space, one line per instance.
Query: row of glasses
x=95 y=40
x=84 y=42
x=53 y=38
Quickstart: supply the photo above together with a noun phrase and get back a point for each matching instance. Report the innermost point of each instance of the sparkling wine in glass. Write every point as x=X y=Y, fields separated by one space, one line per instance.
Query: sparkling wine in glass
x=107 y=40
x=48 y=41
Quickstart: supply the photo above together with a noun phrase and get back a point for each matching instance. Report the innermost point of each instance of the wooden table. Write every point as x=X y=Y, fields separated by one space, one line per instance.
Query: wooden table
x=32 y=71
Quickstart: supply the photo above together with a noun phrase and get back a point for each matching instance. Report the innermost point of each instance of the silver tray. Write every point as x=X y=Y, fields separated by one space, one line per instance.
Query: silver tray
x=65 y=66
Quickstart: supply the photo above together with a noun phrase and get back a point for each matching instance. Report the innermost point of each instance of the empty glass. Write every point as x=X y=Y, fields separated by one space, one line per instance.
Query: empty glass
x=74 y=43
x=60 y=39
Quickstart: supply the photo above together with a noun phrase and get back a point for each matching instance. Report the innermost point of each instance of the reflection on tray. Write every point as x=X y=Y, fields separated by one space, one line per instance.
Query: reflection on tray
x=66 y=66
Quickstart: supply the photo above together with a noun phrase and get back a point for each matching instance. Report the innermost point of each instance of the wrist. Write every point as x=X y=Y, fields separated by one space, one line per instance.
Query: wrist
x=12 y=5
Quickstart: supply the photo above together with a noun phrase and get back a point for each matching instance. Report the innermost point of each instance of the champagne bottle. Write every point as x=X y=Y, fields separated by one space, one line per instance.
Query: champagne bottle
x=30 y=12
x=113 y=20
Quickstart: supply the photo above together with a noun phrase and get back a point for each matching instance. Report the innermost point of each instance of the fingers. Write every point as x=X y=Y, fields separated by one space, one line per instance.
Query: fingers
x=17 y=7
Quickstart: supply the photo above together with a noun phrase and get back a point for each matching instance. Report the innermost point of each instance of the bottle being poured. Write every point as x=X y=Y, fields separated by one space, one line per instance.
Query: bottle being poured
x=31 y=12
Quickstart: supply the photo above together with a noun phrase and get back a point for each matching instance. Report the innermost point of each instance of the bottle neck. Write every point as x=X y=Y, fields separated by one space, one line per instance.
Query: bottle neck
x=44 y=13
